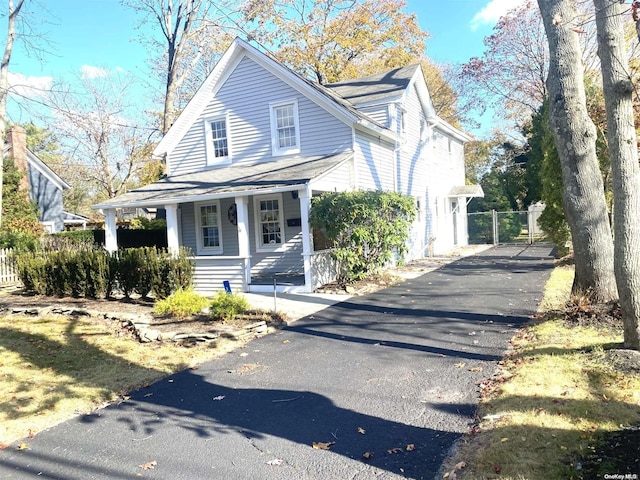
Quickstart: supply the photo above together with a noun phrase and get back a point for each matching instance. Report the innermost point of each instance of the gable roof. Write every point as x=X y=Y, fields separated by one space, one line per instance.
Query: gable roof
x=392 y=87
x=383 y=87
x=239 y=49
x=44 y=169
x=256 y=179
x=33 y=160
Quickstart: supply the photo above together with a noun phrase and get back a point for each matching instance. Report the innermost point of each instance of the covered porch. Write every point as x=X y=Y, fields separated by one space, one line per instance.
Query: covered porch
x=245 y=224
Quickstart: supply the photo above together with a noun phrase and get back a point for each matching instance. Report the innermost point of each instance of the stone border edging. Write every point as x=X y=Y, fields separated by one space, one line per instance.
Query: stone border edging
x=140 y=324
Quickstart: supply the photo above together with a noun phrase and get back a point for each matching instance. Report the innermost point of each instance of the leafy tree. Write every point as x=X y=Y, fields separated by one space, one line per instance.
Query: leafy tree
x=367 y=228
x=20 y=226
x=337 y=39
x=575 y=139
x=552 y=220
x=511 y=73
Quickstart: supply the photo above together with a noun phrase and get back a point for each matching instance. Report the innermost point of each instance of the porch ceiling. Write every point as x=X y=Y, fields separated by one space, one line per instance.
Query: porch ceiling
x=234 y=179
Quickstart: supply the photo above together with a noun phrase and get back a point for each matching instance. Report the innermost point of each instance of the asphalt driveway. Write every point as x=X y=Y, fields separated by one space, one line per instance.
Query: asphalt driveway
x=392 y=375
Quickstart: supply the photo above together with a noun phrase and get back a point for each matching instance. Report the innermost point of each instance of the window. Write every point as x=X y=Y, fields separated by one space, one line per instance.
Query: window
x=285 y=130
x=269 y=225
x=217 y=140
x=209 y=229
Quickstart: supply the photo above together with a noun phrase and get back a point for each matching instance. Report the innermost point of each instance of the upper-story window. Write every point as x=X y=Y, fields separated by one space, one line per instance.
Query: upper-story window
x=218 y=140
x=285 y=128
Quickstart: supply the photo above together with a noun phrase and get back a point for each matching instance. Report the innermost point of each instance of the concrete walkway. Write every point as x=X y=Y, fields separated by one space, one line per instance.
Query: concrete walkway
x=386 y=383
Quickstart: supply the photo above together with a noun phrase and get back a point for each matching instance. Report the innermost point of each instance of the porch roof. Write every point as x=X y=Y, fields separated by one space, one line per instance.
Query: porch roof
x=232 y=180
x=466 y=191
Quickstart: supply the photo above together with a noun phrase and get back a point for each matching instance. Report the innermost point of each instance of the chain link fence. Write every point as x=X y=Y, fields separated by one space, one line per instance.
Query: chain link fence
x=504 y=227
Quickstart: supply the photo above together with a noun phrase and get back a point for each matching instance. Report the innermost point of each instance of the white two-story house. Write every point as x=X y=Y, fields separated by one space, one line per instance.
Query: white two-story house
x=258 y=141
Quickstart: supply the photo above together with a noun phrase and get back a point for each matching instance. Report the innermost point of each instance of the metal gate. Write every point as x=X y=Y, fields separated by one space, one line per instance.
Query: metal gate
x=505 y=227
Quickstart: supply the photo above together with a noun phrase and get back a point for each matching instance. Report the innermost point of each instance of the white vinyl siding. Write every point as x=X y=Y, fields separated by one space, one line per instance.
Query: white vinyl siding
x=245 y=98
x=373 y=163
x=218 y=140
x=208 y=227
x=210 y=273
x=337 y=180
x=378 y=113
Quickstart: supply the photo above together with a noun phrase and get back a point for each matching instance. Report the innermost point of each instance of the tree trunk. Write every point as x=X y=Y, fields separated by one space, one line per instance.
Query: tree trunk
x=4 y=84
x=575 y=137
x=623 y=151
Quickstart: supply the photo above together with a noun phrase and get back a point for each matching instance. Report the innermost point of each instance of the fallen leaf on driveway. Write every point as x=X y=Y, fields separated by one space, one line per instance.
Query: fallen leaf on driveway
x=394 y=450
x=219 y=397
x=23 y=446
x=322 y=445
x=367 y=454
x=361 y=430
x=275 y=462
x=286 y=341
x=459 y=365
x=148 y=465
x=411 y=447
x=475 y=369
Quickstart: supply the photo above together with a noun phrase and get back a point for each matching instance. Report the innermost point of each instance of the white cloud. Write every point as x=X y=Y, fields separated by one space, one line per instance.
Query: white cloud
x=29 y=87
x=89 y=72
x=492 y=12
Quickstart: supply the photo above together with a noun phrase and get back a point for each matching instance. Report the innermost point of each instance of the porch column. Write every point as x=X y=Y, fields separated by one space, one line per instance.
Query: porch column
x=173 y=241
x=242 y=213
x=110 y=232
x=304 y=195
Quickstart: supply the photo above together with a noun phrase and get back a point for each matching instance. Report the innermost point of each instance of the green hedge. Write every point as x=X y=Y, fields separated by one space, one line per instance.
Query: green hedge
x=87 y=272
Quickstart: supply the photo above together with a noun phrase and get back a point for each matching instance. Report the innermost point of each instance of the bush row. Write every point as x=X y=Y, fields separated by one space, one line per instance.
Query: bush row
x=95 y=273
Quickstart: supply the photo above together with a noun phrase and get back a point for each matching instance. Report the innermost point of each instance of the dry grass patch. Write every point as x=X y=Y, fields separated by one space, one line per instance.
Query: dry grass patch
x=553 y=398
x=53 y=368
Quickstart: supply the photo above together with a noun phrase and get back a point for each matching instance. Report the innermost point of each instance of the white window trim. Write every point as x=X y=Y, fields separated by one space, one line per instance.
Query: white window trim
x=275 y=148
x=258 y=225
x=201 y=249
x=208 y=135
x=49 y=226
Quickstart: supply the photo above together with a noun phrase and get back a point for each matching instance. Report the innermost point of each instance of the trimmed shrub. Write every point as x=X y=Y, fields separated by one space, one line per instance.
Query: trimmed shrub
x=96 y=273
x=31 y=272
x=172 y=273
x=227 y=306
x=181 y=303
x=367 y=228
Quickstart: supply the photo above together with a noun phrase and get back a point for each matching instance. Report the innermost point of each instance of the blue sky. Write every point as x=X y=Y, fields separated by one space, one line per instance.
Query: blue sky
x=91 y=34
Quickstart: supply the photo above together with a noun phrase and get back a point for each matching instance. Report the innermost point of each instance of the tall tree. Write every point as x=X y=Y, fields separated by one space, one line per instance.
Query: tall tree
x=98 y=139
x=623 y=148
x=14 y=11
x=511 y=73
x=575 y=138
x=188 y=35
x=332 y=40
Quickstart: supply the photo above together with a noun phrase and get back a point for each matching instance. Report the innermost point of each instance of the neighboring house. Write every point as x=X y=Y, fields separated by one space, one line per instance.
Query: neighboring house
x=258 y=141
x=44 y=185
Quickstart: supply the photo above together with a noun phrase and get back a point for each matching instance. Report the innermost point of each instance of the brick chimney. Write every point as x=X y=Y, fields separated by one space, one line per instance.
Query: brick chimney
x=17 y=142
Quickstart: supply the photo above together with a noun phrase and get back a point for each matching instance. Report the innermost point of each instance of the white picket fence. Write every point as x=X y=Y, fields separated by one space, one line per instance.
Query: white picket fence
x=8 y=274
